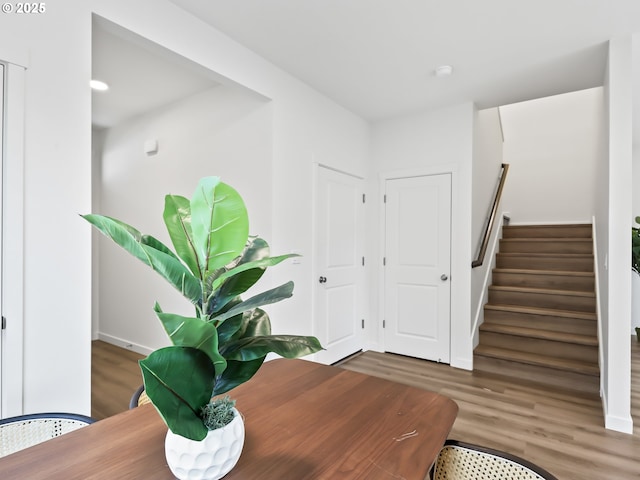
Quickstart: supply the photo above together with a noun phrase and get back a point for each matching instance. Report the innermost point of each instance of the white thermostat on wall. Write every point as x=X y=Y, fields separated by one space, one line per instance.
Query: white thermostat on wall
x=151 y=147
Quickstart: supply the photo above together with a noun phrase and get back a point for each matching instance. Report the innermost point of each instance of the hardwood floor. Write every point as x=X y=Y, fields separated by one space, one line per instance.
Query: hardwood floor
x=563 y=433
x=115 y=375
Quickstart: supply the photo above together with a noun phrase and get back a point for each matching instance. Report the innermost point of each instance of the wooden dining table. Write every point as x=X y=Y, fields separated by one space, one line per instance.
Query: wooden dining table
x=303 y=420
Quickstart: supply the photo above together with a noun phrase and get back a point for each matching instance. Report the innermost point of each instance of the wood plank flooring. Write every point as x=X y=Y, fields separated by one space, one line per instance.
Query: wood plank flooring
x=115 y=375
x=561 y=432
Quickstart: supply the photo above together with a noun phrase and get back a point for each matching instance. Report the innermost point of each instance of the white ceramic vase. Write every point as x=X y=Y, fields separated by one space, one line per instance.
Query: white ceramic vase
x=209 y=459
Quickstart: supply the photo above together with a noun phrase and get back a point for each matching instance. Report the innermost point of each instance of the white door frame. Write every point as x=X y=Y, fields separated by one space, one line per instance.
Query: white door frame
x=458 y=315
x=11 y=403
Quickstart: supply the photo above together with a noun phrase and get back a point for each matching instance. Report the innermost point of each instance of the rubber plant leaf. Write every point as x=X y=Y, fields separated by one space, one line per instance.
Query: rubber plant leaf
x=151 y=252
x=274 y=295
x=288 y=346
x=177 y=218
x=256 y=249
x=219 y=223
x=262 y=263
x=253 y=323
x=179 y=382
x=193 y=332
x=236 y=374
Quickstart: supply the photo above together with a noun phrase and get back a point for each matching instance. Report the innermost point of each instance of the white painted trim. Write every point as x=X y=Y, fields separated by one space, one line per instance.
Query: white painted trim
x=119 y=342
x=440 y=169
x=490 y=254
x=624 y=425
x=611 y=422
x=344 y=172
x=596 y=273
x=13 y=241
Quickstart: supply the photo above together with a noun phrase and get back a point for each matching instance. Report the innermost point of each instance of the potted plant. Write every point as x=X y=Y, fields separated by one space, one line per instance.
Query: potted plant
x=226 y=342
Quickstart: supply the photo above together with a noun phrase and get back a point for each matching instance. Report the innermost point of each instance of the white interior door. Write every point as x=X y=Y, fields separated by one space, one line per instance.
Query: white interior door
x=1 y=182
x=12 y=239
x=417 y=266
x=338 y=264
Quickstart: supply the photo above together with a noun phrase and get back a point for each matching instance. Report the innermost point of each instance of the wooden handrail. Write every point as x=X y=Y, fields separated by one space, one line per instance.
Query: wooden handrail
x=494 y=210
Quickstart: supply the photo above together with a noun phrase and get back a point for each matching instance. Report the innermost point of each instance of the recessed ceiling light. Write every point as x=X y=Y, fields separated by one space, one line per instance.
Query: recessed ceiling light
x=98 y=85
x=444 y=71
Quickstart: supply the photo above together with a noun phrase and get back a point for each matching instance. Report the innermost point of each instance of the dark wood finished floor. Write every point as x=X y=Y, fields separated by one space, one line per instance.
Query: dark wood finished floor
x=561 y=432
x=115 y=375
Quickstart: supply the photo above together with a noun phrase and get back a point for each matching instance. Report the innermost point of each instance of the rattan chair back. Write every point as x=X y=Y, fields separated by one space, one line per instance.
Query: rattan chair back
x=17 y=433
x=464 y=461
x=139 y=397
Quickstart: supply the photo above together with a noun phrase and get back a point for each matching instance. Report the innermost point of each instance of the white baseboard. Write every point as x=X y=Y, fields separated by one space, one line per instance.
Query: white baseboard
x=119 y=342
x=613 y=422
x=462 y=363
x=624 y=425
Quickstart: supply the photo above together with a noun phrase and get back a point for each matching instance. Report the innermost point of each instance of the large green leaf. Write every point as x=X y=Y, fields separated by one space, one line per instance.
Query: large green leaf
x=177 y=218
x=288 y=346
x=236 y=374
x=256 y=323
x=265 y=298
x=193 y=332
x=262 y=263
x=179 y=381
x=252 y=323
x=219 y=223
x=235 y=285
x=228 y=329
x=151 y=252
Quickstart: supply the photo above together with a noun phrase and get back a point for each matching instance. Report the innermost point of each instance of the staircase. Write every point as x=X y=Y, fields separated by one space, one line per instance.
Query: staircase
x=540 y=322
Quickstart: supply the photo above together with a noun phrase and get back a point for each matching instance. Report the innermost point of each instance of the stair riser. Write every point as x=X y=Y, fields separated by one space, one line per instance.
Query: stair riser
x=585 y=353
x=545 y=263
x=543 y=300
x=534 y=373
x=525 y=246
x=554 y=282
x=546 y=231
x=544 y=322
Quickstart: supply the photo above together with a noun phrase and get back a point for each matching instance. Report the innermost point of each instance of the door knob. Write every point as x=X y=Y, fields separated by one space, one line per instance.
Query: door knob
x=322 y=280
x=444 y=277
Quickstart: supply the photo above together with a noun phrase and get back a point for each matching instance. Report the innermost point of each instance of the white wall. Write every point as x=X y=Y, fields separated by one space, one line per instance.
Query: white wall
x=56 y=47
x=432 y=142
x=306 y=128
x=487 y=165
x=614 y=227
x=552 y=147
x=57 y=187
x=223 y=131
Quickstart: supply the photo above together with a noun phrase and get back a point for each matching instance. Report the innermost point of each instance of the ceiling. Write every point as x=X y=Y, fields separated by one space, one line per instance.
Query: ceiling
x=377 y=58
x=141 y=75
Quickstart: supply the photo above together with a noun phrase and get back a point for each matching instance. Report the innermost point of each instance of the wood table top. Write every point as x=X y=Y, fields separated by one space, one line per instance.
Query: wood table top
x=303 y=420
